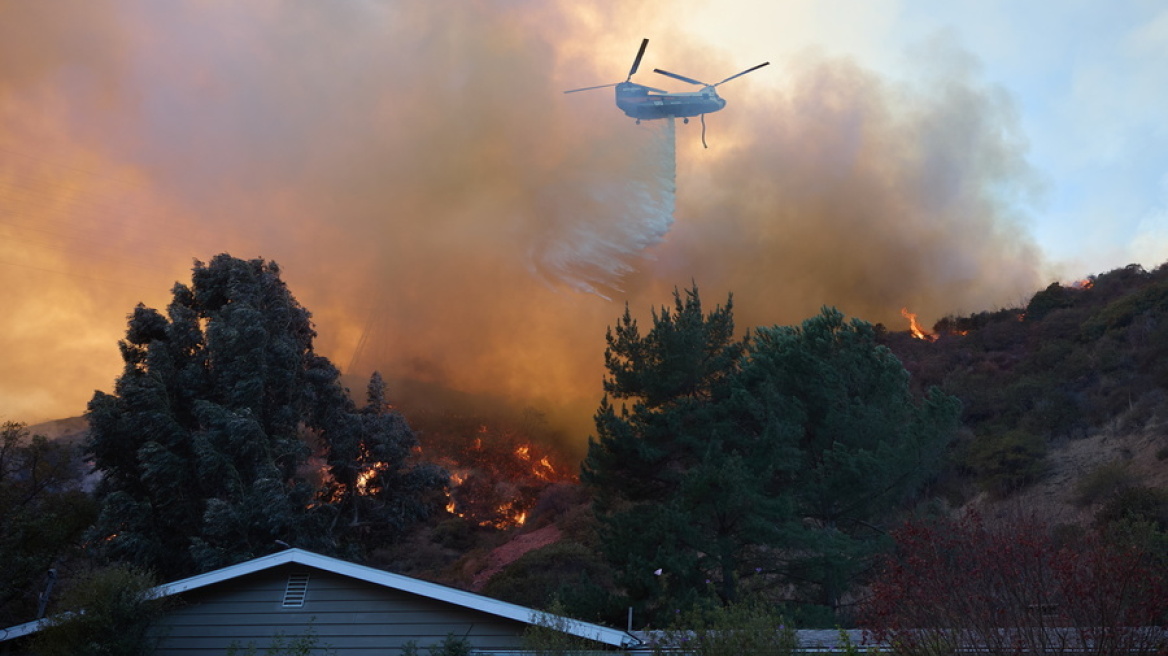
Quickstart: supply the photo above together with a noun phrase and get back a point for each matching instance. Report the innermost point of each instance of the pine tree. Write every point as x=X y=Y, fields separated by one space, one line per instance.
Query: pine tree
x=755 y=462
x=674 y=377
x=856 y=444
x=680 y=489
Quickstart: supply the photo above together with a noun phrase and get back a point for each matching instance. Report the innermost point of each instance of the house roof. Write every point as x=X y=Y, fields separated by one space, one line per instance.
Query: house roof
x=469 y=600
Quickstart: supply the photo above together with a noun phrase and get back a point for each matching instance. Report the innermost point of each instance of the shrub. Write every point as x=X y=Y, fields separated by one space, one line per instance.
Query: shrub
x=1010 y=588
x=548 y=635
x=564 y=571
x=1136 y=504
x=1103 y=483
x=281 y=645
x=749 y=627
x=1006 y=462
x=107 y=612
x=451 y=645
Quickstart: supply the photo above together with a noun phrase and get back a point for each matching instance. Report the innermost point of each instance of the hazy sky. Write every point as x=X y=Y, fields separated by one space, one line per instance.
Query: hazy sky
x=450 y=216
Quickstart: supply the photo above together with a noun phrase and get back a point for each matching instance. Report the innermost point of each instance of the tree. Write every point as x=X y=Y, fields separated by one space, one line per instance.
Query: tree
x=754 y=462
x=678 y=490
x=377 y=487
x=854 y=443
x=43 y=513
x=203 y=447
x=675 y=376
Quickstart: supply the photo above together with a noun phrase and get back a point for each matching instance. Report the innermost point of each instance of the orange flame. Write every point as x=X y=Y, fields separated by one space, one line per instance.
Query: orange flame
x=364 y=477
x=915 y=327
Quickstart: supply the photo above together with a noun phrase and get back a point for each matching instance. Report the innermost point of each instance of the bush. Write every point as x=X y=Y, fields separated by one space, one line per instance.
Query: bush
x=1011 y=588
x=1136 y=504
x=281 y=645
x=564 y=571
x=1006 y=462
x=750 y=627
x=451 y=645
x=1103 y=483
x=548 y=635
x=107 y=613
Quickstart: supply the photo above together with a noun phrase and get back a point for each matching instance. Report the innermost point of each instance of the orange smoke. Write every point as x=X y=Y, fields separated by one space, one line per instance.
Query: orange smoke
x=429 y=192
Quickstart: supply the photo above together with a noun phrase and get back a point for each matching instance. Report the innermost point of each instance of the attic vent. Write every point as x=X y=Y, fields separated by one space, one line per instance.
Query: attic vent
x=295 y=591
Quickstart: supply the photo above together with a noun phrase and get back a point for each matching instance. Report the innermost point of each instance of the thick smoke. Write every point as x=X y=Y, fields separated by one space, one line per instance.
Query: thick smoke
x=430 y=192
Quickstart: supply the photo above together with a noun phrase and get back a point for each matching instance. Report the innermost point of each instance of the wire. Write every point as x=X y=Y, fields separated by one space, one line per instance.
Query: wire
x=704 y=131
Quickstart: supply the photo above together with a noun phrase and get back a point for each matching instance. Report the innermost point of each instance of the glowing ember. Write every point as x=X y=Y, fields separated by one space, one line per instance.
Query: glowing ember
x=496 y=479
x=364 y=477
x=541 y=469
x=915 y=327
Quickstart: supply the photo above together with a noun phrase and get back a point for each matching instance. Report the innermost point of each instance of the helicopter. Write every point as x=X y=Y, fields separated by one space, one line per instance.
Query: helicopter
x=647 y=103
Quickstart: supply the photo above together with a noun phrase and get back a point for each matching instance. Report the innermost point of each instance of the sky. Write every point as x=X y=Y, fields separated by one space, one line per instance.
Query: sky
x=452 y=219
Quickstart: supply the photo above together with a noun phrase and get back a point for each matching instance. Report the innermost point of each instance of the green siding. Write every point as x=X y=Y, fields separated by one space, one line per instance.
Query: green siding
x=349 y=616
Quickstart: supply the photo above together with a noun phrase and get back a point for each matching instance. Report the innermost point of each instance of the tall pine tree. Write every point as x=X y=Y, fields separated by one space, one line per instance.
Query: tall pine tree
x=681 y=491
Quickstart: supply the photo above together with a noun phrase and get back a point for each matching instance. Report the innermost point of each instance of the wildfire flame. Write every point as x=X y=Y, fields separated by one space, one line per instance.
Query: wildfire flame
x=497 y=488
x=541 y=469
x=364 y=477
x=915 y=327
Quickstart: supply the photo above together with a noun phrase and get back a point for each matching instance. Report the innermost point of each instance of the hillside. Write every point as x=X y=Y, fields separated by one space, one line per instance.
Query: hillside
x=1065 y=400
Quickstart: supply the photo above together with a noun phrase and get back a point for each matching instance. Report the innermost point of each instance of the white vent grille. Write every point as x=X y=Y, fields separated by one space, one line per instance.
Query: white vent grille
x=295 y=591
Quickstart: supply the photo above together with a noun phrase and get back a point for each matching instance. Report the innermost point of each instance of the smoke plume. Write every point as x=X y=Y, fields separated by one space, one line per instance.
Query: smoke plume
x=447 y=214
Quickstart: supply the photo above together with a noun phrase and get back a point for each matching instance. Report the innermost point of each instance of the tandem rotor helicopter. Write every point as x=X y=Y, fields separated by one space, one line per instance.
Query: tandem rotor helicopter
x=647 y=103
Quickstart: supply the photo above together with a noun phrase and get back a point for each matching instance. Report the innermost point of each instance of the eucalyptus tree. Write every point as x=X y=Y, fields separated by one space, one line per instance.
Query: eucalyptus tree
x=204 y=446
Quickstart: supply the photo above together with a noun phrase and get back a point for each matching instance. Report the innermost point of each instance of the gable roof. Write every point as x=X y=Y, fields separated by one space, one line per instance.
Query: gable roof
x=469 y=600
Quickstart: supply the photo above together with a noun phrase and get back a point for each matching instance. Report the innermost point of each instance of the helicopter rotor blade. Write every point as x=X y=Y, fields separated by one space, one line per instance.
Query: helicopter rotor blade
x=599 y=86
x=637 y=61
x=680 y=77
x=752 y=68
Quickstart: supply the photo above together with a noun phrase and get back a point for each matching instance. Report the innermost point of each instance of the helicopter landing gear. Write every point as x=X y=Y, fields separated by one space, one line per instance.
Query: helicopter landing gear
x=685 y=120
x=638 y=121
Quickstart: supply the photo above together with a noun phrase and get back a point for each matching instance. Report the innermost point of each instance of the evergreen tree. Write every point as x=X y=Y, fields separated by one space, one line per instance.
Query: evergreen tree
x=680 y=489
x=675 y=376
x=43 y=514
x=856 y=444
x=770 y=459
x=377 y=486
x=204 y=444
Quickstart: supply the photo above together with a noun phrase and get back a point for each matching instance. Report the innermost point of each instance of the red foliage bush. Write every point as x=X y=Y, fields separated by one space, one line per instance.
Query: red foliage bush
x=1008 y=588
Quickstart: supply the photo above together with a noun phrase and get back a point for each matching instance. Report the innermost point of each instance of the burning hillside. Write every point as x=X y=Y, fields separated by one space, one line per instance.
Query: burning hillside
x=497 y=474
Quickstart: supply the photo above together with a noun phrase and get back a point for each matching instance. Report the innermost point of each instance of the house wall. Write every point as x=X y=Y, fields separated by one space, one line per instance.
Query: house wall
x=349 y=616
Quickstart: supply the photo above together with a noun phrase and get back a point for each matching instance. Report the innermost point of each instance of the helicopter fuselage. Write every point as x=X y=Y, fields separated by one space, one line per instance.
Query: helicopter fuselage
x=639 y=102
